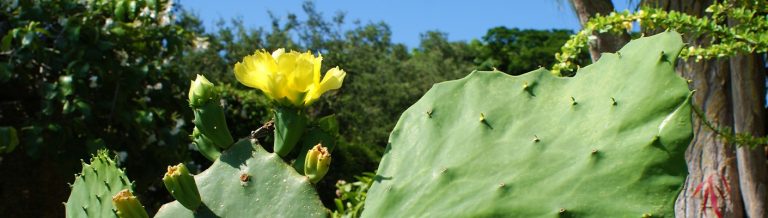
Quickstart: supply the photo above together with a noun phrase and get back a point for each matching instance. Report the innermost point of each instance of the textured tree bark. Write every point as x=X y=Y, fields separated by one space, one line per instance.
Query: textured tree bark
x=604 y=42
x=708 y=156
x=748 y=91
x=711 y=160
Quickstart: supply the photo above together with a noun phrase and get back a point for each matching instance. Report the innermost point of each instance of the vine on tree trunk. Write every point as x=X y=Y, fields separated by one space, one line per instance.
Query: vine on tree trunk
x=750 y=35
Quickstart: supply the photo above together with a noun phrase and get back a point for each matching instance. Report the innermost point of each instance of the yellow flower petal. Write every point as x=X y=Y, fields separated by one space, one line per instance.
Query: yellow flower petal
x=318 y=61
x=290 y=78
x=276 y=54
x=332 y=80
x=256 y=71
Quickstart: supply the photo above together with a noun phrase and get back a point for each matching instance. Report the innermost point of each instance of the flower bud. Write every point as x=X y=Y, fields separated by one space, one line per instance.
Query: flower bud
x=128 y=206
x=182 y=186
x=316 y=163
x=201 y=92
x=209 y=115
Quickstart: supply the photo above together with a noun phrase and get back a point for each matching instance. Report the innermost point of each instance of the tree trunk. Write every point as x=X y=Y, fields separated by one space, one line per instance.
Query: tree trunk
x=747 y=88
x=731 y=93
x=604 y=42
x=710 y=159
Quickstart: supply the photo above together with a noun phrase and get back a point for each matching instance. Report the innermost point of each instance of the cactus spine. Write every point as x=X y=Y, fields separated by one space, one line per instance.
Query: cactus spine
x=95 y=186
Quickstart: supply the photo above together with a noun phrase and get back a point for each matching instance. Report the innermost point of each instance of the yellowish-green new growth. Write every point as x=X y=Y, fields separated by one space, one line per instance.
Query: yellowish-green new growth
x=128 y=206
x=182 y=186
x=201 y=91
x=317 y=162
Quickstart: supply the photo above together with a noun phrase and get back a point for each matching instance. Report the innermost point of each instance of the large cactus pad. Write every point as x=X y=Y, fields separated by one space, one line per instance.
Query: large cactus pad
x=608 y=142
x=247 y=181
x=94 y=187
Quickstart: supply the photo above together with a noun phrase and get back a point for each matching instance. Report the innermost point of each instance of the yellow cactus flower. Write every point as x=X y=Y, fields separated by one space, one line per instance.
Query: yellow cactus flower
x=291 y=78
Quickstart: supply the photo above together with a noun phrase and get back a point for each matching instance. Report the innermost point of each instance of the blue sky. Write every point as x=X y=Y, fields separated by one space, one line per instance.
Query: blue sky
x=462 y=20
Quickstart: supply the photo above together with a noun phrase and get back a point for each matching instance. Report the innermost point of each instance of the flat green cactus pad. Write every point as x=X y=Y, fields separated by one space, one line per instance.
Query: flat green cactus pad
x=247 y=181
x=94 y=187
x=608 y=142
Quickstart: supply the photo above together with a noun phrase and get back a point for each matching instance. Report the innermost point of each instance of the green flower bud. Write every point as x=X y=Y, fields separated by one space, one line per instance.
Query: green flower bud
x=209 y=115
x=182 y=186
x=128 y=206
x=316 y=163
x=201 y=92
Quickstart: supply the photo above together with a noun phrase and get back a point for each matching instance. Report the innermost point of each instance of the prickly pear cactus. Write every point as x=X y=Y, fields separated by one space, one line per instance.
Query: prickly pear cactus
x=608 y=142
x=247 y=181
x=94 y=187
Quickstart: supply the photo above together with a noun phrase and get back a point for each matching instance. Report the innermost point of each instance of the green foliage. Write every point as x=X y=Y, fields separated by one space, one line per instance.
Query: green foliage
x=731 y=29
x=9 y=139
x=82 y=78
x=609 y=142
x=94 y=187
x=247 y=181
x=84 y=75
x=245 y=110
x=516 y=51
x=350 y=197
x=726 y=133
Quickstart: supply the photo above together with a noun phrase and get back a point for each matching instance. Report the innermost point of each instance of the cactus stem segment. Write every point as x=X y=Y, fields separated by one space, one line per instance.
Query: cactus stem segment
x=289 y=127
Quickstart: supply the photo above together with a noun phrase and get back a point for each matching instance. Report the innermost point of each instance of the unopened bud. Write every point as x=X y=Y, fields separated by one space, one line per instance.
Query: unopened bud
x=317 y=162
x=128 y=206
x=201 y=91
x=182 y=186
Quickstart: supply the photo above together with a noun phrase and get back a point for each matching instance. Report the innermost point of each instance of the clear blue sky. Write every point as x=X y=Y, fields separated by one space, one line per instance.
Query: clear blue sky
x=462 y=20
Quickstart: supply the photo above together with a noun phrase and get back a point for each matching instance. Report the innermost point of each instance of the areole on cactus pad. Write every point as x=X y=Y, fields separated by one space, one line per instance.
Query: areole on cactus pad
x=608 y=142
